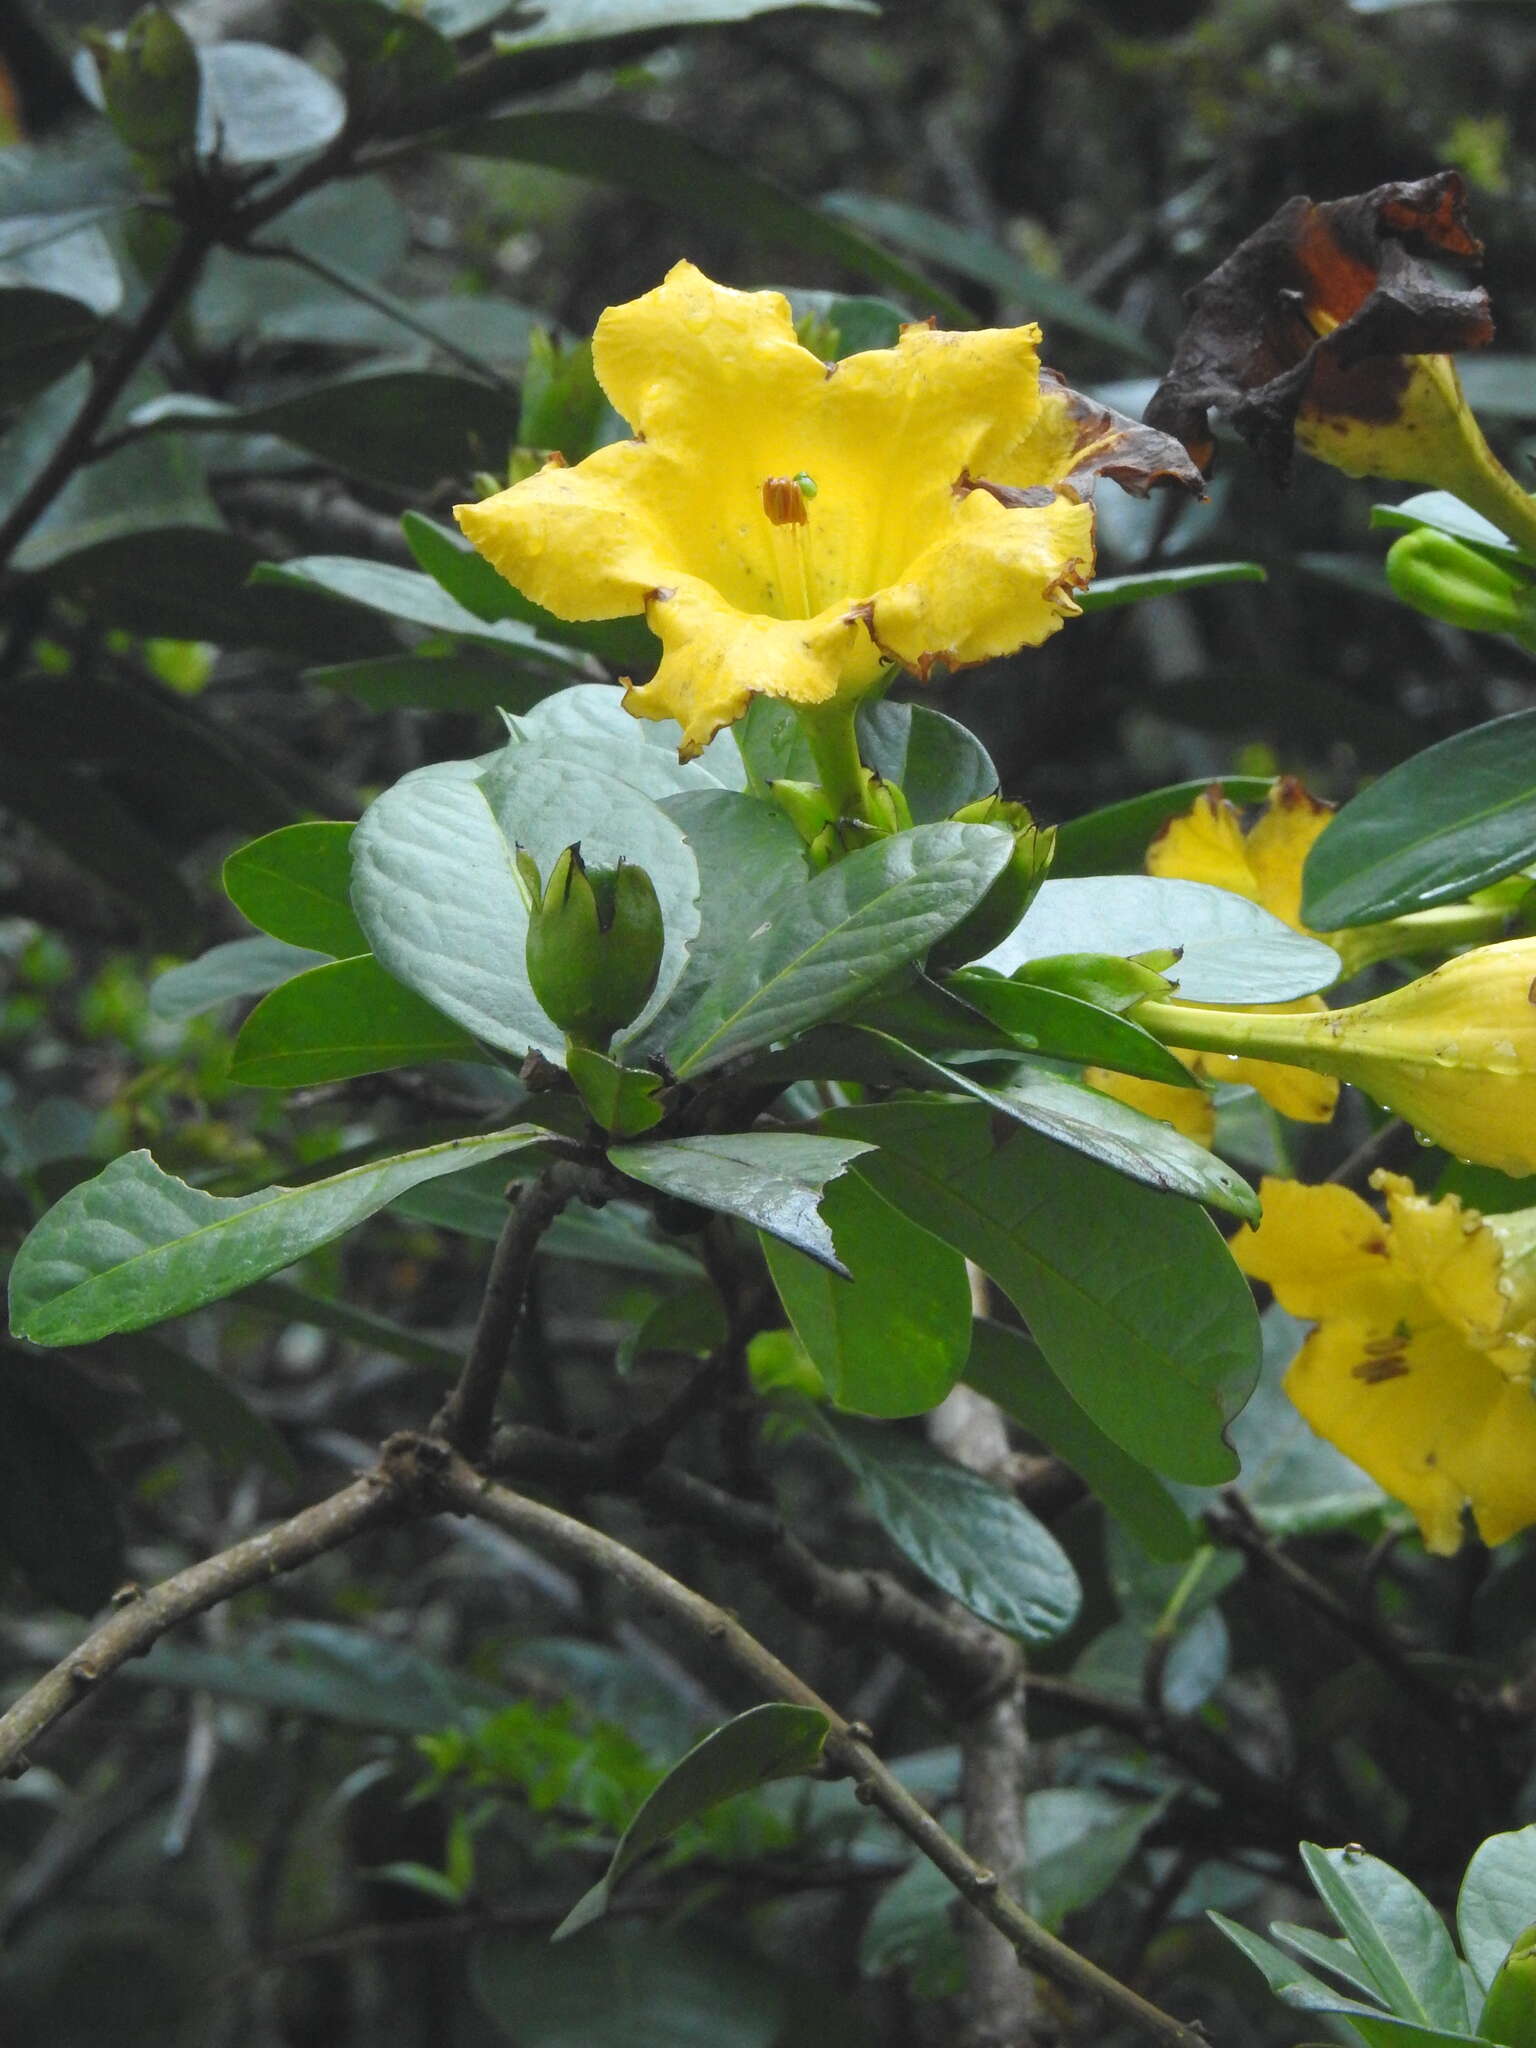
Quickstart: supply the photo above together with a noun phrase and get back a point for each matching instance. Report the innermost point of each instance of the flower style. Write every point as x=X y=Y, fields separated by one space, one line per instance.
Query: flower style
x=1329 y=327
x=791 y=527
x=1454 y=1052
x=1419 y=1367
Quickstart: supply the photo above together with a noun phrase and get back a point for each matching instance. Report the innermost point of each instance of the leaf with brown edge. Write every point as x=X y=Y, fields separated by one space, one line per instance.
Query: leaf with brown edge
x=1322 y=308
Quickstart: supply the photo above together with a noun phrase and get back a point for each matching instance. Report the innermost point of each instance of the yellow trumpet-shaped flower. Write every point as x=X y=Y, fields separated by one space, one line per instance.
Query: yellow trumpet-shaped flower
x=1419 y=1367
x=791 y=527
x=1454 y=1052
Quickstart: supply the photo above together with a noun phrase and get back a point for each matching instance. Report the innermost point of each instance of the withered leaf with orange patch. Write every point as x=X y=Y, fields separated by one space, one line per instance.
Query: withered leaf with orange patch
x=1323 y=307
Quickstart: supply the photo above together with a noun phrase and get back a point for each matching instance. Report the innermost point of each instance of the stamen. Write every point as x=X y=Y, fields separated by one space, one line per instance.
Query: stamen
x=784 y=500
x=784 y=506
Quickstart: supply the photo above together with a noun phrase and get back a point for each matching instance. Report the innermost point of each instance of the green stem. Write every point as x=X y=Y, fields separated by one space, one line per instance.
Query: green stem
x=1243 y=1033
x=835 y=749
x=1487 y=486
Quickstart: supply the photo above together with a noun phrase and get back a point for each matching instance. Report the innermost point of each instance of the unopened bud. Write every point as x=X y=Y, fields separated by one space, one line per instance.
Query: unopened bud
x=1449 y=580
x=151 y=85
x=594 y=944
x=1010 y=895
x=1509 y=2011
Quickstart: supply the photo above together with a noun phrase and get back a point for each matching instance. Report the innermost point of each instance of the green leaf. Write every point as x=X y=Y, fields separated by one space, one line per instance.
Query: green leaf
x=1132 y=1296
x=1109 y=592
x=1496 y=1901
x=821 y=944
x=470 y=580
x=977 y=257
x=767 y=1742
x=1012 y=1371
x=1099 y=1126
x=407 y=427
x=629 y=1987
x=588 y=726
x=136 y=1246
x=771 y=1179
x=240 y=967
x=58 y=1515
x=344 y=1018
x=1117 y=837
x=1080 y=1840
x=973 y=1541
x=1231 y=951
x=621 y=1099
x=295 y=884
x=1445 y=512
x=211 y=1409
x=1328 y=1952
x=1396 y=1933
x=581 y=21
x=859 y=321
x=406 y=50
x=1451 y=820
x=1285 y=1976
x=58 y=282
x=259 y=105
x=435 y=888
x=893 y=1338
x=654 y=160
x=469 y=679
x=1065 y=1027
x=415 y=600
x=938 y=764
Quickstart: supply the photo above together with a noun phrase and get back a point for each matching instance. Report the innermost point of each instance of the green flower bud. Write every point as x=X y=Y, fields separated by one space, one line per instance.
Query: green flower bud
x=151 y=84
x=594 y=944
x=805 y=805
x=1509 y=2011
x=1449 y=580
x=1009 y=896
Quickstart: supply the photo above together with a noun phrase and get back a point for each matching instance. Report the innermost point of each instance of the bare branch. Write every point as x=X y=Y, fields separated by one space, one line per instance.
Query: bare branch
x=588 y=1549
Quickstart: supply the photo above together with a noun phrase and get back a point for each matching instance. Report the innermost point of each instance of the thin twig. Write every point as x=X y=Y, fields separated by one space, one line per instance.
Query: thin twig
x=462 y=1488
x=469 y=1411
x=141 y=1617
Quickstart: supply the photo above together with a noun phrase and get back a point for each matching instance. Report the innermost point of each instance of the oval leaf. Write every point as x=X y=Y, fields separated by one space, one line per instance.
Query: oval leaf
x=347 y=1017
x=773 y=1179
x=295 y=884
x=1498 y=1900
x=1395 y=1931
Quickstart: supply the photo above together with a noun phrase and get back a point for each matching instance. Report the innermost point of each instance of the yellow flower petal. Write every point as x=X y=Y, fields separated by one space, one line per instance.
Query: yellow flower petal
x=714 y=656
x=1431 y=1420
x=1278 y=845
x=1450 y=1252
x=1000 y=579
x=1189 y=1110
x=1326 y=1253
x=1205 y=844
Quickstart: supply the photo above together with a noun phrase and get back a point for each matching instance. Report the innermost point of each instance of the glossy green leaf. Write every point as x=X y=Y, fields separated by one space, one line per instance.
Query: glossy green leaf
x=1116 y=839
x=1109 y=592
x=295 y=885
x=1329 y=1952
x=821 y=944
x=210 y=1408
x=410 y=427
x=1012 y=1371
x=894 y=1337
x=765 y=1743
x=975 y=1542
x=621 y=1099
x=1395 y=1931
x=136 y=1246
x=938 y=764
x=468 y=679
x=1131 y=1295
x=985 y=261
x=579 y=21
x=414 y=600
x=627 y=1987
x=1285 y=1976
x=58 y=1515
x=260 y=105
x=771 y=1179
x=1099 y=1126
x=240 y=967
x=1231 y=951
x=343 y=1018
x=1446 y=513
x=671 y=170
x=1497 y=1901
x=1063 y=1026
x=1451 y=820
x=435 y=889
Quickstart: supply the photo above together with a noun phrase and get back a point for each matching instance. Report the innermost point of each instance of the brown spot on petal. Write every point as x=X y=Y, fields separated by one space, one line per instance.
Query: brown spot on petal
x=1374 y=1370
x=1319 y=307
x=917 y=326
x=661 y=593
x=1015 y=497
x=1292 y=794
